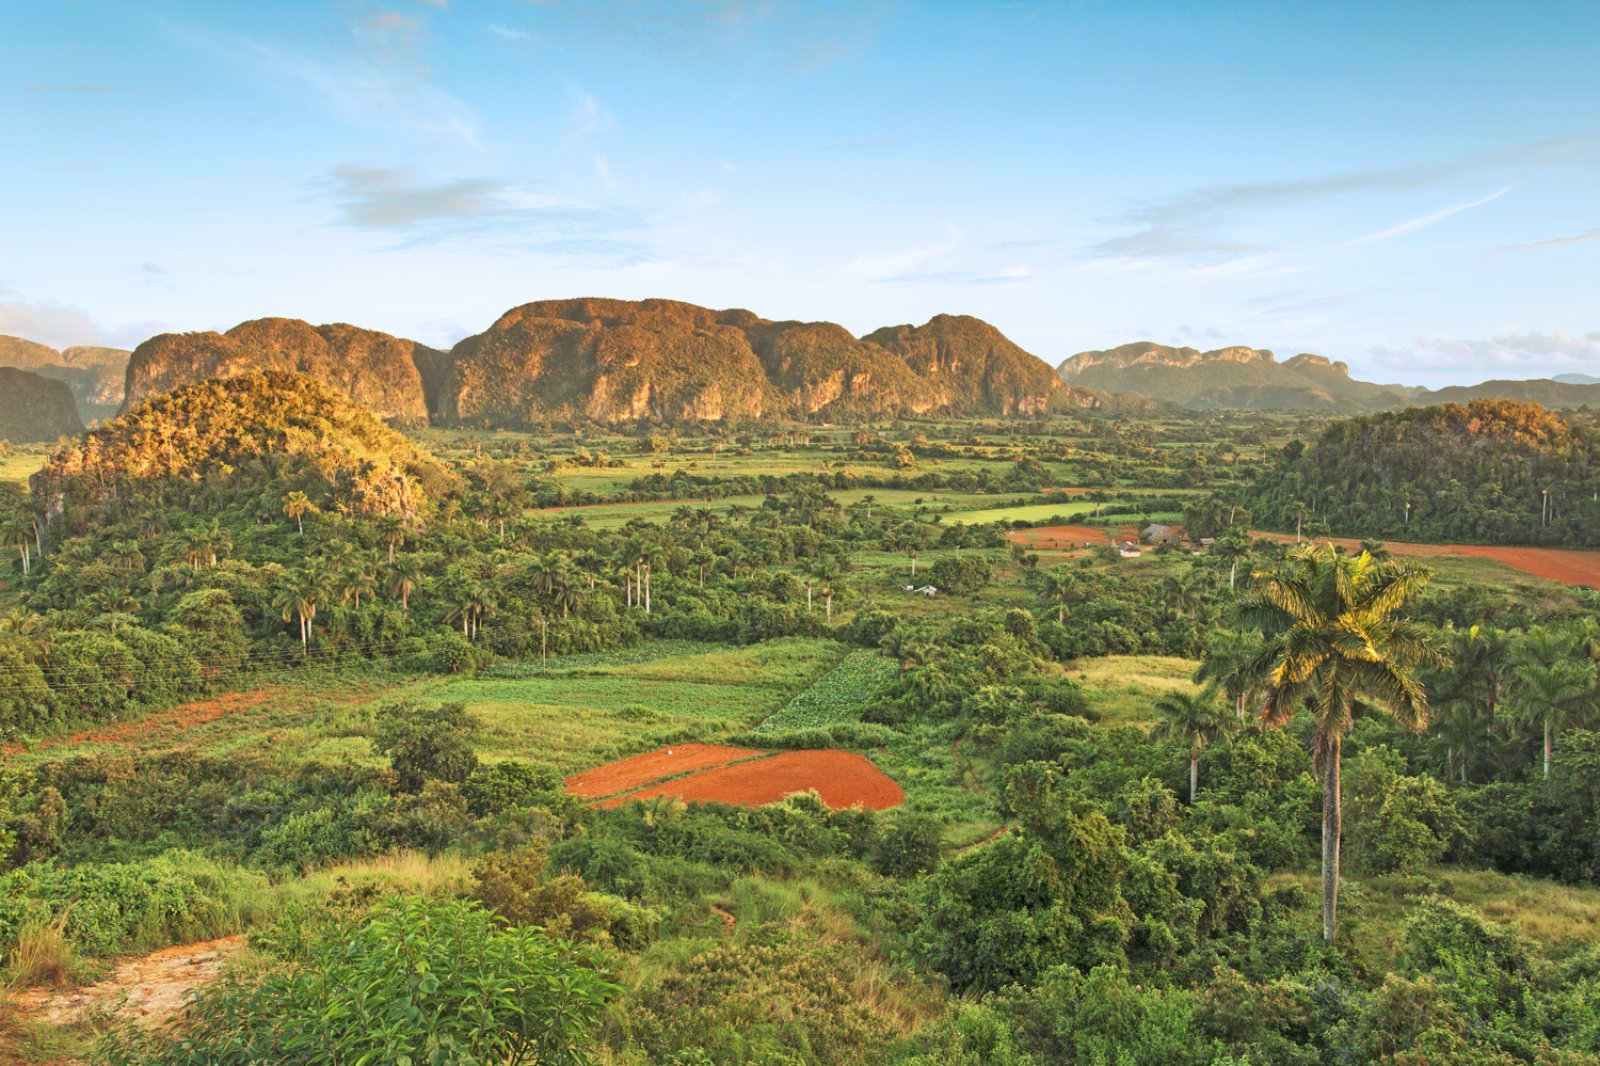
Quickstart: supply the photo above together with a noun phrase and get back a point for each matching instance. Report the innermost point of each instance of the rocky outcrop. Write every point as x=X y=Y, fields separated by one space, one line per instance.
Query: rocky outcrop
x=376 y=370
x=35 y=408
x=621 y=360
x=94 y=374
x=1236 y=377
x=971 y=367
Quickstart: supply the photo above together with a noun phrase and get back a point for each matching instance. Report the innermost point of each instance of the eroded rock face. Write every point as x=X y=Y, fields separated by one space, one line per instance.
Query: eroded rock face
x=376 y=370
x=619 y=360
x=971 y=367
x=35 y=408
x=94 y=374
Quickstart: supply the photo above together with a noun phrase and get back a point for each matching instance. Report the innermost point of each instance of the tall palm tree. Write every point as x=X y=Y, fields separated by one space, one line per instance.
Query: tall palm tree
x=296 y=601
x=1555 y=693
x=1230 y=662
x=297 y=505
x=1059 y=586
x=402 y=577
x=1198 y=718
x=1336 y=645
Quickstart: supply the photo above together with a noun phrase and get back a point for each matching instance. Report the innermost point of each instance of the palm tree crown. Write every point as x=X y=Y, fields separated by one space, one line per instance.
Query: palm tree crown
x=1336 y=645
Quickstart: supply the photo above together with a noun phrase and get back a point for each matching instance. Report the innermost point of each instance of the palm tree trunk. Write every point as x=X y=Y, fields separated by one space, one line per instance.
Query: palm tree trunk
x=1241 y=708
x=1547 y=745
x=1331 y=819
x=1194 y=776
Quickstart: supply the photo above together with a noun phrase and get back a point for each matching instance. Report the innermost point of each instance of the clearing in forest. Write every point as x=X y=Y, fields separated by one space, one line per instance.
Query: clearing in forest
x=841 y=778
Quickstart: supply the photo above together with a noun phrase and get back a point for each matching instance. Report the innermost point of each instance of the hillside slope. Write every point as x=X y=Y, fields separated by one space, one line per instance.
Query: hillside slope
x=374 y=369
x=35 y=408
x=95 y=375
x=620 y=360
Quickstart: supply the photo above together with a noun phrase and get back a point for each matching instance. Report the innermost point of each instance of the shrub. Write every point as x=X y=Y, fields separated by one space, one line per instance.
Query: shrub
x=420 y=981
x=426 y=744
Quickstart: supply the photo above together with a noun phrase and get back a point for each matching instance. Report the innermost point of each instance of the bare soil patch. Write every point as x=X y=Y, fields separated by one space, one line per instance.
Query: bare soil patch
x=1059 y=538
x=147 y=989
x=160 y=727
x=1553 y=564
x=640 y=770
x=841 y=778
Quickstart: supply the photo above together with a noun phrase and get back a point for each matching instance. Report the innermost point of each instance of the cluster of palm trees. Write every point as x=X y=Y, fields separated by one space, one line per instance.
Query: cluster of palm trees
x=1325 y=636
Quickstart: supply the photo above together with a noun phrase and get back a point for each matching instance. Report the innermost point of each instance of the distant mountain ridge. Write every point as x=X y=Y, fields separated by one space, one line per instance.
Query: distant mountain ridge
x=35 y=408
x=624 y=360
x=94 y=375
x=1243 y=378
x=1235 y=377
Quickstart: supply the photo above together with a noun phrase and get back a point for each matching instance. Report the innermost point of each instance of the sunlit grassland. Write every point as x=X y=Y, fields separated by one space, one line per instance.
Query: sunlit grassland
x=23 y=461
x=1123 y=688
x=1373 y=910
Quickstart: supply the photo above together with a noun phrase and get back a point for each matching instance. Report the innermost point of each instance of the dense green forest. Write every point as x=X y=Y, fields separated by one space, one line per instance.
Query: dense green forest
x=275 y=669
x=1488 y=472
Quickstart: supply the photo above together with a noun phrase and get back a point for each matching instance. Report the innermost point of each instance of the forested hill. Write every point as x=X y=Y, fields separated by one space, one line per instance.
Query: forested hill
x=1471 y=473
x=613 y=361
x=224 y=439
x=34 y=407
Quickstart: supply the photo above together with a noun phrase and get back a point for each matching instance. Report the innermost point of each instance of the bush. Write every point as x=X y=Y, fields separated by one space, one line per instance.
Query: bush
x=421 y=981
x=425 y=744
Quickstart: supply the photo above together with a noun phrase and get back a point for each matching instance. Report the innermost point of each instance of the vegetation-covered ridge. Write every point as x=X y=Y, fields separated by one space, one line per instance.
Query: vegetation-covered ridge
x=94 y=374
x=35 y=408
x=1237 y=378
x=1492 y=471
x=378 y=371
x=620 y=361
x=234 y=433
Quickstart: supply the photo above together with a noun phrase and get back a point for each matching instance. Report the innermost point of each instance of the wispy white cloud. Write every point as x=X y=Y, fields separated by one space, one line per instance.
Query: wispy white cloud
x=895 y=262
x=62 y=325
x=1552 y=242
x=1423 y=221
x=377 y=77
x=1190 y=225
x=484 y=210
x=587 y=116
x=1530 y=354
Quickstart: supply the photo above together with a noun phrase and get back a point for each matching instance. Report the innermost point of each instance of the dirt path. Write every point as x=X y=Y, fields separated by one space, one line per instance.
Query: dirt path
x=162 y=726
x=1567 y=566
x=147 y=989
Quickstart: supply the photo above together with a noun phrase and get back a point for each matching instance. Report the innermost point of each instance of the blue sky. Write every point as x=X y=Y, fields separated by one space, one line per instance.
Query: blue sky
x=1411 y=187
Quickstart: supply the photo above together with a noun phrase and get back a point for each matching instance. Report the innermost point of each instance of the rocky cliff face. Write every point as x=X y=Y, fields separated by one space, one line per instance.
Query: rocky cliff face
x=94 y=375
x=971 y=367
x=376 y=370
x=619 y=360
x=35 y=408
x=1235 y=377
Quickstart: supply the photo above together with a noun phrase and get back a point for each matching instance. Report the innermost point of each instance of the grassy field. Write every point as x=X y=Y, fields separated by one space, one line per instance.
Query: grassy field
x=23 y=461
x=1373 y=909
x=1123 y=687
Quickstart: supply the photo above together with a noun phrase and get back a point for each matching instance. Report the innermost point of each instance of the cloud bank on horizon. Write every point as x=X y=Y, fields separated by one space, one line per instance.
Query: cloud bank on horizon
x=1339 y=179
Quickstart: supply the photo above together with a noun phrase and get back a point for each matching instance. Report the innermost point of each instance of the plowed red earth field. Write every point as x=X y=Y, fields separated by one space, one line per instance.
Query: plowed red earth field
x=640 y=770
x=841 y=778
x=1059 y=538
x=1553 y=564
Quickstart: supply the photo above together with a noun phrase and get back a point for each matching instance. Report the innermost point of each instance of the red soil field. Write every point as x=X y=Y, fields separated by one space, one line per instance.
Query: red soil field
x=1553 y=564
x=641 y=770
x=1059 y=538
x=841 y=778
